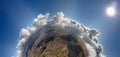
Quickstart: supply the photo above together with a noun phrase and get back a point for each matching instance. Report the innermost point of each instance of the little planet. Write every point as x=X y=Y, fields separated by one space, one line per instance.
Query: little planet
x=58 y=37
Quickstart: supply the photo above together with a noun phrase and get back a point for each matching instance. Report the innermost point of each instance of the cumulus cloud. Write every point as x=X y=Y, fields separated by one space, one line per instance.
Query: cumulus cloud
x=93 y=46
x=40 y=20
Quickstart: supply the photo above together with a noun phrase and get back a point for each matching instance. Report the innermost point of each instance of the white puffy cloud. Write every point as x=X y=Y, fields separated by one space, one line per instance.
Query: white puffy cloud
x=59 y=17
x=40 y=20
x=24 y=33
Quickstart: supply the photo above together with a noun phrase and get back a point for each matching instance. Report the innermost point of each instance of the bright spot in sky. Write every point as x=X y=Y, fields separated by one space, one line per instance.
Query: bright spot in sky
x=110 y=11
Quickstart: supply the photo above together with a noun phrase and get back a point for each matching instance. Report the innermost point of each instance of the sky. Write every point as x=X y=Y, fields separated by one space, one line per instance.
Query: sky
x=18 y=14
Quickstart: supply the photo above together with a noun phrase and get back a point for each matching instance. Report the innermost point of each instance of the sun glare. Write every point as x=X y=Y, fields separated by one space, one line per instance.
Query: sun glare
x=110 y=11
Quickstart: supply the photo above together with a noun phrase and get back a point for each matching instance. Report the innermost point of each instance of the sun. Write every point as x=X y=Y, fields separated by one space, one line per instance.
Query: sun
x=111 y=11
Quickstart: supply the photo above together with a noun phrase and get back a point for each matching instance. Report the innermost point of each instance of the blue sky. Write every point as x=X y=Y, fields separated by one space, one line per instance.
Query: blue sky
x=17 y=14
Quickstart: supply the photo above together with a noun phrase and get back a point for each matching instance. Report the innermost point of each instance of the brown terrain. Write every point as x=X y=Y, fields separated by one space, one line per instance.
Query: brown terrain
x=57 y=47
